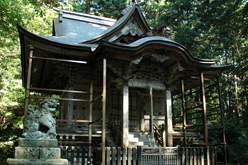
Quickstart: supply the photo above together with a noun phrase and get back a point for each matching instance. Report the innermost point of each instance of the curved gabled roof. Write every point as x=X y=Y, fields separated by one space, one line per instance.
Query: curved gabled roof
x=44 y=46
x=75 y=28
x=76 y=44
x=52 y=40
x=121 y=51
x=134 y=11
x=141 y=46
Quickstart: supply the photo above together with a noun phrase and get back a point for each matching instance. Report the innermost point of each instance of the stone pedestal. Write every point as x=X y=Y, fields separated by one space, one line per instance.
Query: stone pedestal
x=37 y=152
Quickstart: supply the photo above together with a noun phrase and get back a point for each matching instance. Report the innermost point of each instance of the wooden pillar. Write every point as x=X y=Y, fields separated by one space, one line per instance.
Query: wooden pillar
x=104 y=109
x=173 y=111
x=151 y=120
x=168 y=118
x=184 y=113
x=90 y=114
x=60 y=109
x=139 y=109
x=125 y=116
x=70 y=109
x=141 y=113
x=27 y=92
x=222 y=120
x=204 y=116
x=151 y=115
x=164 y=135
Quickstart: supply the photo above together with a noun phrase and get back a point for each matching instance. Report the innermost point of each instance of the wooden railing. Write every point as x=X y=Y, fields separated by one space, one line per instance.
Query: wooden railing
x=158 y=133
x=160 y=155
x=196 y=155
x=64 y=125
x=75 y=133
x=75 y=156
x=71 y=125
x=140 y=155
x=192 y=135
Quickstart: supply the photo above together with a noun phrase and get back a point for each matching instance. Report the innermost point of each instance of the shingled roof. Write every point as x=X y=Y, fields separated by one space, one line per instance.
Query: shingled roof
x=78 y=36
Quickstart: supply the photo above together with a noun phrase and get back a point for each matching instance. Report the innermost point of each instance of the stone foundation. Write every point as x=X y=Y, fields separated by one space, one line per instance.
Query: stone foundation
x=37 y=162
x=24 y=142
x=37 y=152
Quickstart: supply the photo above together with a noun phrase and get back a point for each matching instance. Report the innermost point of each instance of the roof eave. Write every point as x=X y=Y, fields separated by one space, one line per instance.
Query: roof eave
x=39 y=39
x=137 y=47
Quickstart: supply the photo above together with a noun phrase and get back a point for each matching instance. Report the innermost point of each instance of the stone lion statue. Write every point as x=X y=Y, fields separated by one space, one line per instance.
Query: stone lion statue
x=40 y=124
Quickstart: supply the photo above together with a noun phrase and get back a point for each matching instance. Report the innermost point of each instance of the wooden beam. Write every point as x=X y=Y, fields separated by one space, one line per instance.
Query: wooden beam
x=70 y=110
x=151 y=115
x=57 y=90
x=184 y=112
x=76 y=121
x=151 y=120
x=164 y=135
x=90 y=115
x=27 y=92
x=141 y=107
x=125 y=118
x=204 y=117
x=194 y=77
x=104 y=109
x=61 y=60
x=168 y=119
x=55 y=98
x=173 y=111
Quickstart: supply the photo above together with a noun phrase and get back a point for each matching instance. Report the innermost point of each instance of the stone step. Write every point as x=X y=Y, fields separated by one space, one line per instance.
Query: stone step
x=135 y=144
x=130 y=136
x=139 y=138
x=133 y=139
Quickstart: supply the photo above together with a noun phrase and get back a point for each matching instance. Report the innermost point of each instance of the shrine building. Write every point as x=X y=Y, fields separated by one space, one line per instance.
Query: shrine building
x=117 y=80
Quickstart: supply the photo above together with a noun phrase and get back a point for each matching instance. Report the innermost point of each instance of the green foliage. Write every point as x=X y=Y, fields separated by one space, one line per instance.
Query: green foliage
x=237 y=143
x=37 y=19
x=42 y=25
x=109 y=8
x=7 y=151
x=83 y=8
x=105 y=8
x=13 y=13
x=152 y=9
x=50 y=3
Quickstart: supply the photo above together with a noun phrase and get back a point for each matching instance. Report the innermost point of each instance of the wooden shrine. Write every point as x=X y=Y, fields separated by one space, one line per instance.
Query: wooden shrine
x=117 y=72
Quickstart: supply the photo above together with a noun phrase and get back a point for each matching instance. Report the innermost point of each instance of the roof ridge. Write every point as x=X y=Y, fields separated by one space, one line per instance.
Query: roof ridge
x=85 y=15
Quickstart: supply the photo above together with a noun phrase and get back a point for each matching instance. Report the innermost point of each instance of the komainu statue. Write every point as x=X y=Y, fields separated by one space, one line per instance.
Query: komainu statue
x=40 y=124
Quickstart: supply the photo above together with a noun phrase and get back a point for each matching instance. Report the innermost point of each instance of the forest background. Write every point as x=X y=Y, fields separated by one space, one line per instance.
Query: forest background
x=212 y=29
